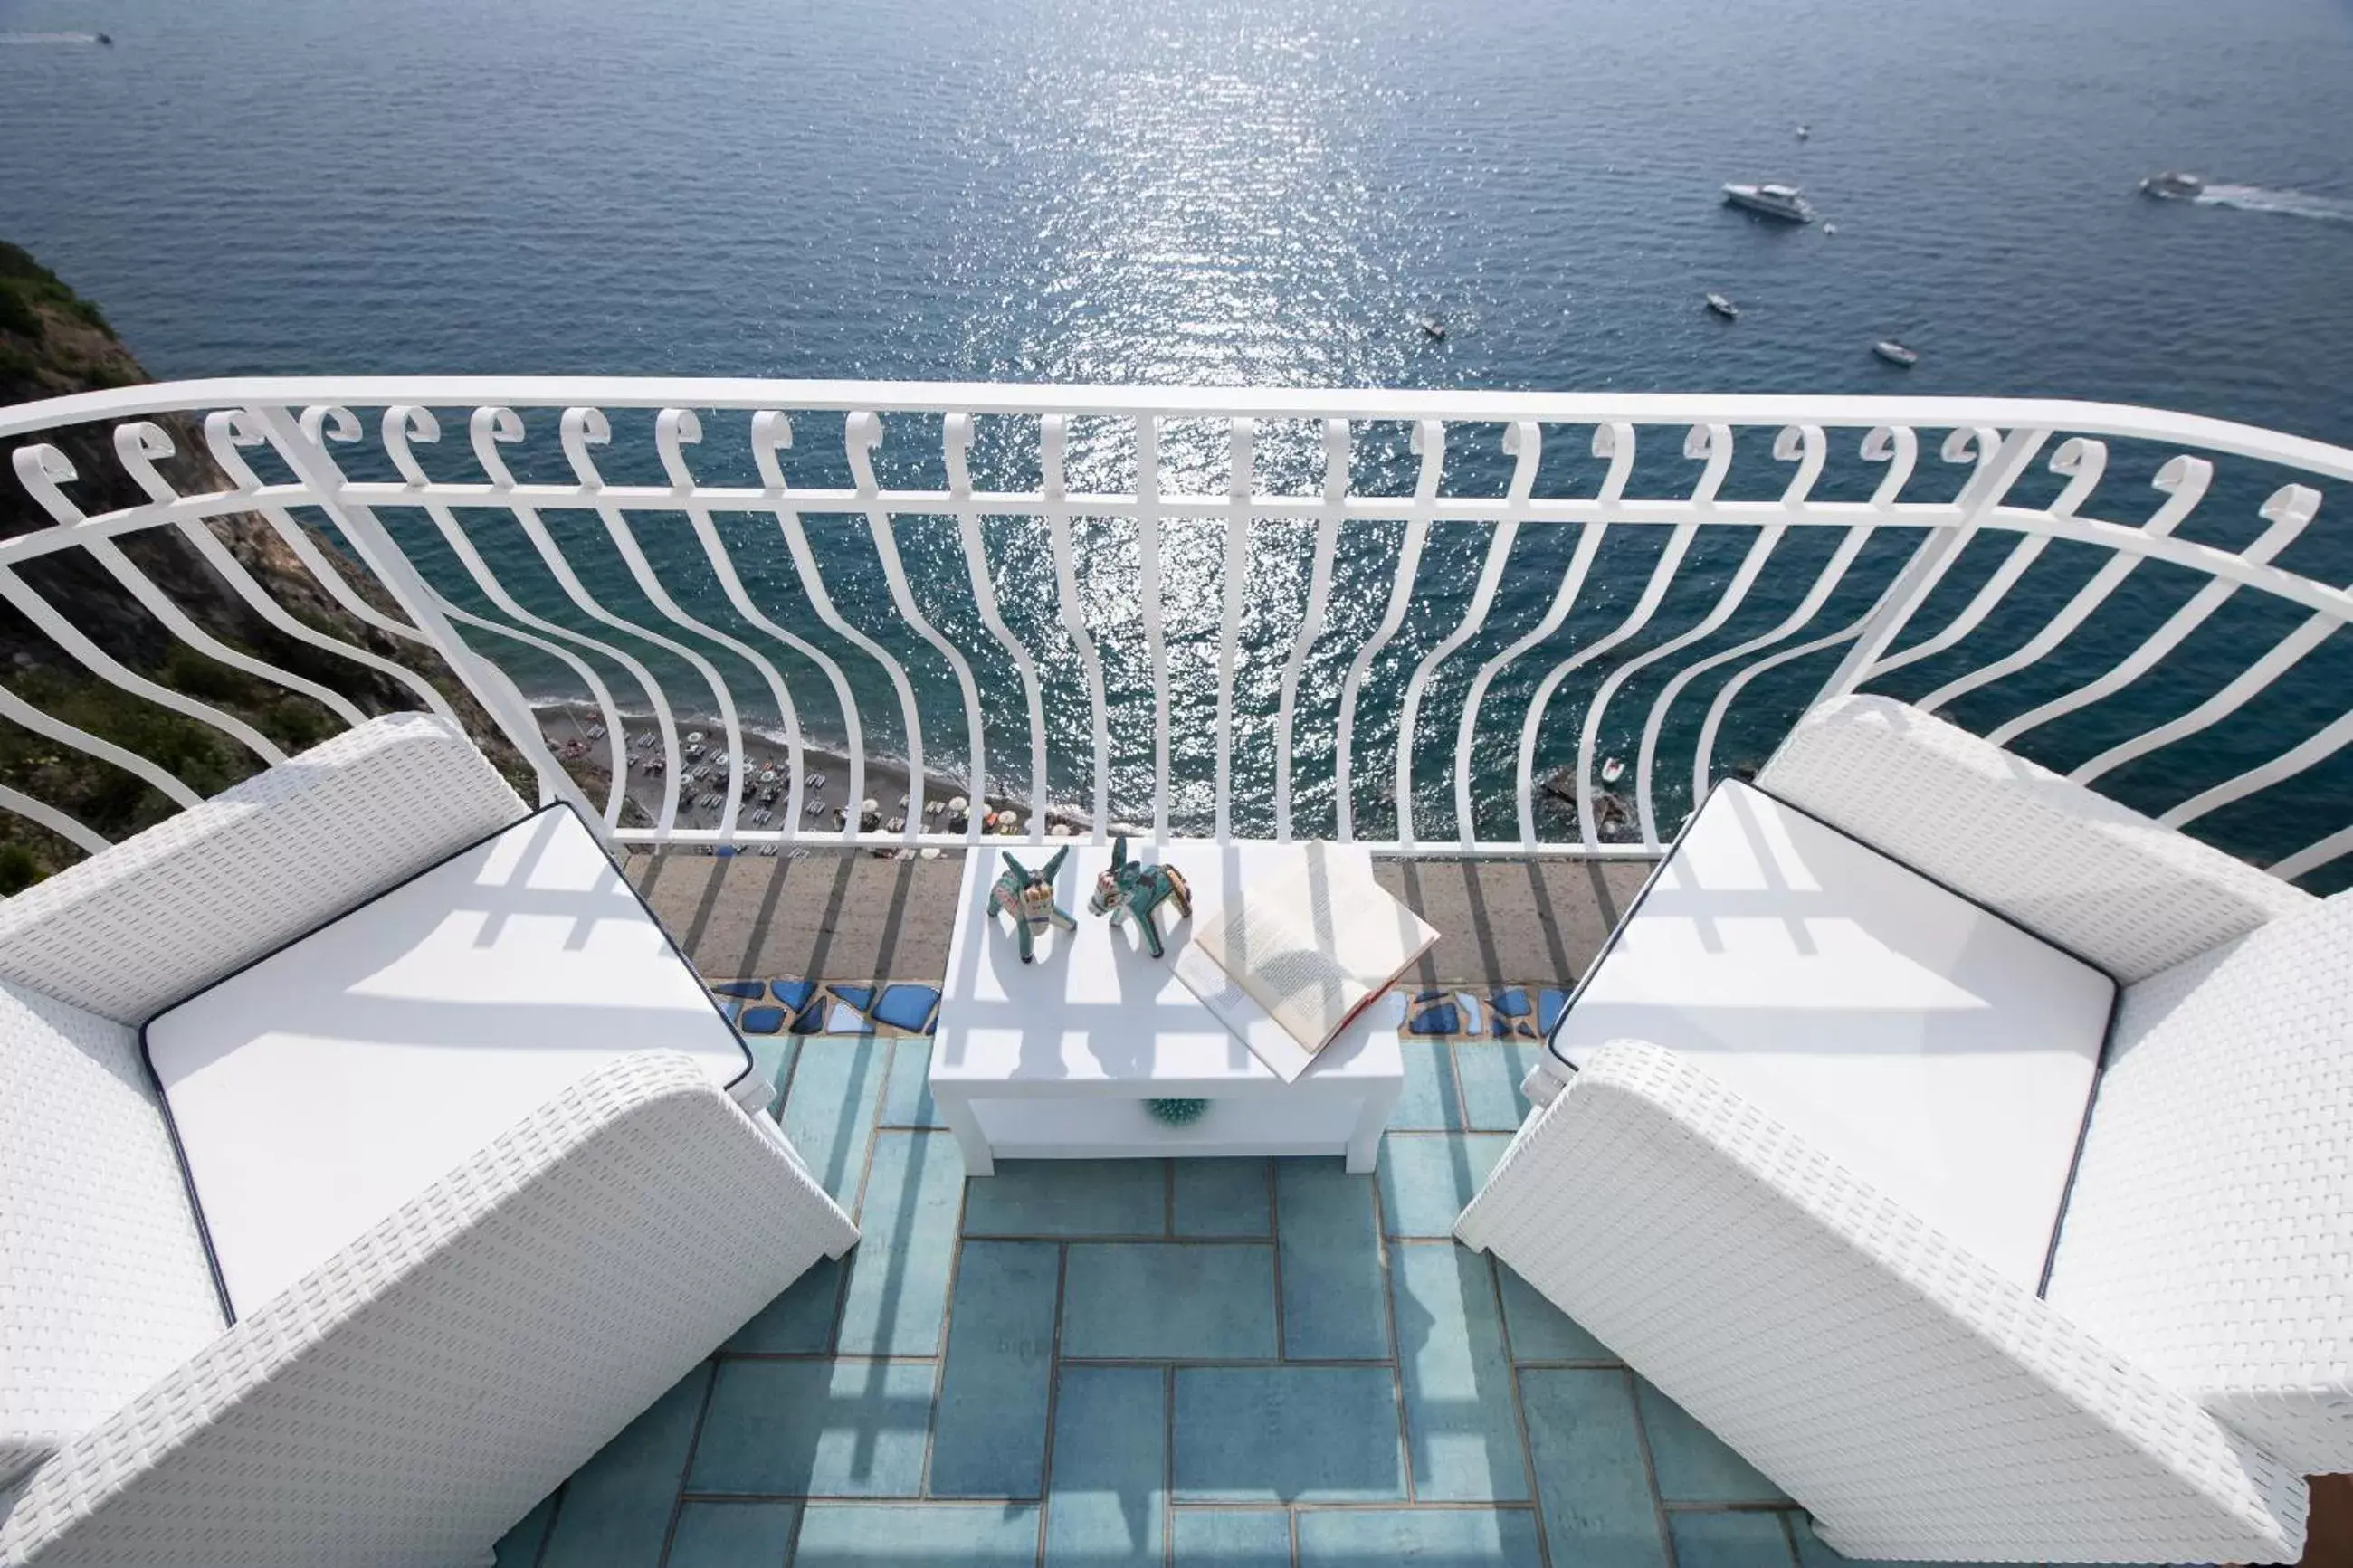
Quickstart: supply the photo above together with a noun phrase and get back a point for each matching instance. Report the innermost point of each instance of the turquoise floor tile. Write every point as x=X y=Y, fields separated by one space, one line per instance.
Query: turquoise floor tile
x=733 y=1535
x=1288 y=1434
x=824 y=1428
x=800 y=1321
x=1205 y=1300
x=1069 y=1197
x=1425 y=1182
x=913 y=1535
x=1106 y=1505
x=1220 y=1197
x=1692 y=1464
x=1540 y=1331
x=1232 y=1538
x=990 y=1440
x=1334 y=1305
x=829 y=1111
x=616 y=1508
x=1461 y=1431
x=1598 y=1508
x=1491 y=1073
x=1724 y=1539
x=897 y=1297
x=1439 y=1538
x=518 y=1548
x=908 y=1101
x=772 y=1059
x=1429 y=1103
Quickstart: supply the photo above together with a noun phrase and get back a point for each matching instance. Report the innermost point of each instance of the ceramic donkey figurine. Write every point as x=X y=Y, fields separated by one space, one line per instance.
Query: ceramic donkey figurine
x=1029 y=897
x=1135 y=889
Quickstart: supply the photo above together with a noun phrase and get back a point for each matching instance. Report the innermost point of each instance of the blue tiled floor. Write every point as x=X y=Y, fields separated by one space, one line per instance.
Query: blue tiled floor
x=1244 y=1364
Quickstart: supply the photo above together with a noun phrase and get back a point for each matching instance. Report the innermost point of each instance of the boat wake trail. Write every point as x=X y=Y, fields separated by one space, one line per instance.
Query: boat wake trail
x=2295 y=204
x=48 y=38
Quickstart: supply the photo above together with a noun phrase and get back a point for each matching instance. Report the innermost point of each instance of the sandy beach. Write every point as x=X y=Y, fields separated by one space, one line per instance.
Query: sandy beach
x=571 y=732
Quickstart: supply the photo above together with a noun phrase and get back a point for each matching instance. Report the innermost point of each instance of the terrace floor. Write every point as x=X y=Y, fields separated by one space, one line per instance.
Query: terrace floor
x=1239 y=1362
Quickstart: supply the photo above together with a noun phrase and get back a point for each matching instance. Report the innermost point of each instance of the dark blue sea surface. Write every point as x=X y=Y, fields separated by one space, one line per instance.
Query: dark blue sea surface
x=1273 y=192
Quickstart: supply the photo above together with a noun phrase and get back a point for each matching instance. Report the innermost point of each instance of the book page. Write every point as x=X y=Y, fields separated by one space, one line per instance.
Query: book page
x=1311 y=943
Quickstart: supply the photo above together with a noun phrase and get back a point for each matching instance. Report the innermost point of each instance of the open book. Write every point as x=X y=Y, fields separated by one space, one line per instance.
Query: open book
x=1310 y=943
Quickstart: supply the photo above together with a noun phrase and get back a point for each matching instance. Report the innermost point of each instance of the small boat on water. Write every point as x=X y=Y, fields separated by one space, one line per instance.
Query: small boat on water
x=1433 y=328
x=1783 y=202
x=1895 y=353
x=2172 y=185
x=1724 y=307
x=1803 y=133
x=1612 y=770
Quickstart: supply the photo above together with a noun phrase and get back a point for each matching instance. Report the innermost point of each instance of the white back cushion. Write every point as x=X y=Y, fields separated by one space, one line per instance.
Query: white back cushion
x=2075 y=867
x=2210 y=1235
x=164 y=911
x=103 y=1282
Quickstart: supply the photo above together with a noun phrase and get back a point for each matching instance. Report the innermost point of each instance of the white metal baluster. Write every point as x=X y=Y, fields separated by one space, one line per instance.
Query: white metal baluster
x=1520 y=441
x=1239 y=477
x=488 y=428
x=19 y=712
x=383 y=555
x=1336 y=461
x=2000 y=460
x=2086 y=475
x=1899 y=447
x=141 y=446
x=2281 y=656
x=2326 y=742
x=955 y=446
x=1156 y=645
x=677 y=425
x=1052 y=434
x=303 y=444
x=863 y=434
x=225 y=432
x=771 y=434
x=2314 y=855
x=81 y=837
x=42 y=468
x=2186 y=477
x=617 y=790
x=585 y=427
x=1615 y=442
x=1714 y=443
x=1804 y=445
x=1429 y=443
x=2288 y=510
x=160 y=605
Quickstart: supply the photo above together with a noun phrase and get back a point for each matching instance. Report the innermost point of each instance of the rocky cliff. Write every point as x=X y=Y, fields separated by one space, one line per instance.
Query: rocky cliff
x=53 y=342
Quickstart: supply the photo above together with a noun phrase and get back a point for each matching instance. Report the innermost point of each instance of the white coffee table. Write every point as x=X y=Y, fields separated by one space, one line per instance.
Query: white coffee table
x=1055 y=1060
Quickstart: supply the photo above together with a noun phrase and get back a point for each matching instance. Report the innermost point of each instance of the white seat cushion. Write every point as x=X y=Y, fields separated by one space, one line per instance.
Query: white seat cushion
x=1931 y=1048
x=317 y=1090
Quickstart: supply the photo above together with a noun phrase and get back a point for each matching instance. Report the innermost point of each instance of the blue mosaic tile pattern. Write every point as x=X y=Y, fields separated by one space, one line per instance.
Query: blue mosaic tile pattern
x=1233 y=1363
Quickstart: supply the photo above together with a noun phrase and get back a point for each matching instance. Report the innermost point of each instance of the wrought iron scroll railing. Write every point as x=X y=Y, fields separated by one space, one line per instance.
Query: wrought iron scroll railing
x=1443 y=623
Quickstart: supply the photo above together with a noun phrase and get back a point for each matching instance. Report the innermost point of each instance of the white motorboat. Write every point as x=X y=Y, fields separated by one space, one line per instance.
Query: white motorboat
x=1724 y=307
x=2172 y=185
x=1895 y=353
x=1783 y=202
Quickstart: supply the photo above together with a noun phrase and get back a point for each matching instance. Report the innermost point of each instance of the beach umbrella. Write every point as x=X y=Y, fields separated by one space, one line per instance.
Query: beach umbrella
x=1009 y=822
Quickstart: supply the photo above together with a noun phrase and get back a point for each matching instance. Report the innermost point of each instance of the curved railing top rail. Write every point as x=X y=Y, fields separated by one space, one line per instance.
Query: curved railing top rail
x=1682 y=623
x=2117 y=419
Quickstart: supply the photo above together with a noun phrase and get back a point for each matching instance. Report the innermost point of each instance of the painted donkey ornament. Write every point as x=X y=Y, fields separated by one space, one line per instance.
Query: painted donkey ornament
x=1135 y=889
x=1029 y=897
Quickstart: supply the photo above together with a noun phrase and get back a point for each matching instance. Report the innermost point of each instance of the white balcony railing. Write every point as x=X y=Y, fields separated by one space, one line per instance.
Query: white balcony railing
x=1443 y=622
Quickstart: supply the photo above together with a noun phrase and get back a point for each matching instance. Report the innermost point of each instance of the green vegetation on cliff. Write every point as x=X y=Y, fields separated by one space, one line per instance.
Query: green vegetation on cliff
x=54 y=342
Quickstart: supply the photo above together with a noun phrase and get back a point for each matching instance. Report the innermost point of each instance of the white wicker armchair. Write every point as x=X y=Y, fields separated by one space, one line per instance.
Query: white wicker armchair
x=407 y=1400
x=2190 y=1356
